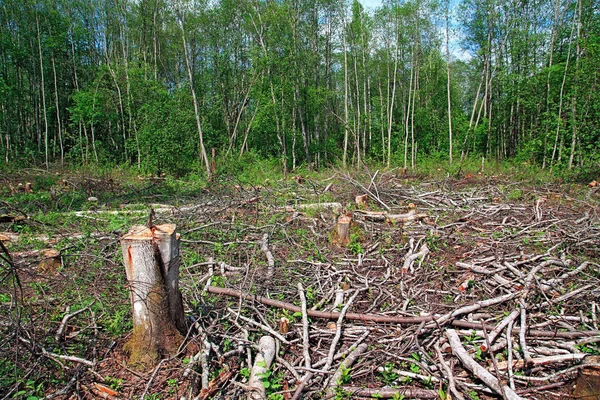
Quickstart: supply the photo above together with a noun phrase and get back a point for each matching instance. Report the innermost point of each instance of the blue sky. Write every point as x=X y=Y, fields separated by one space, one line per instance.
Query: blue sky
x=371 y=3
x=455 y=48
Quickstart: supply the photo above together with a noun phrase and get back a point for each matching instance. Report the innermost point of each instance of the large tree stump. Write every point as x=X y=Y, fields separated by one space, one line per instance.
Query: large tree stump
x=151 y=257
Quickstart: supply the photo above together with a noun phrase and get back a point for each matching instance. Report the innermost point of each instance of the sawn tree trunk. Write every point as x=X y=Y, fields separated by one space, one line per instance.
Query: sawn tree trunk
x=151 y=257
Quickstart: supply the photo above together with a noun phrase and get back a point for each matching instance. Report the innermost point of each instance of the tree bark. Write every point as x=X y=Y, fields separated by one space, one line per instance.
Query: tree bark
x=203 y=156
x=262 y=363
x=43 y=90
x=151 y=257
x=448 y=82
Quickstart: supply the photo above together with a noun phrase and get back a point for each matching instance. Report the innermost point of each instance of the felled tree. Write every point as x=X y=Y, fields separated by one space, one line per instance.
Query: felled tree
x=151 y=257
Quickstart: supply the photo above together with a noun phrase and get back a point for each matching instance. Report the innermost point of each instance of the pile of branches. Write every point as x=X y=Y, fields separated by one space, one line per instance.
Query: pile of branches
x=484 y=297
x=482 y=290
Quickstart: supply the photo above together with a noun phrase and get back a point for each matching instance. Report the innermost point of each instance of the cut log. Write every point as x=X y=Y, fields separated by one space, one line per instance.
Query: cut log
x=151 y=257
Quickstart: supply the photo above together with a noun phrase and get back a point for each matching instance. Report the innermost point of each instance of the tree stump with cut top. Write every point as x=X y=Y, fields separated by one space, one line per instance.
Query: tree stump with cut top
x=340 y=236
x=151 y=258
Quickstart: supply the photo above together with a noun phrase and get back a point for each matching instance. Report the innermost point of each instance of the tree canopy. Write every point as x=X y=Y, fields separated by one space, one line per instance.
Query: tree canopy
x=159 y=83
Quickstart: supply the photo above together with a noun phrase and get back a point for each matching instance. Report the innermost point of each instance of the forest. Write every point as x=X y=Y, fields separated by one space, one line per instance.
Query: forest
x=161 y=85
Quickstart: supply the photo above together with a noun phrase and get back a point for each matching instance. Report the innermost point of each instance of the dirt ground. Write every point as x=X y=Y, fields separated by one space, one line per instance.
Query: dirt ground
x=472 y=288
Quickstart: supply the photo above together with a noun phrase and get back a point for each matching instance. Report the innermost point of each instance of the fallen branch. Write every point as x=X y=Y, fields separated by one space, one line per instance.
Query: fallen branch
x=63 y=323
x=531 y=333
x=345 y=365
x=534 y=362
x=319 y=314
x=305 y=334
x=264 y=246
x=383 y=216
x=410 y=260
x=336 y=207
x=262 y=363
x=481 y=373
x=392 y=393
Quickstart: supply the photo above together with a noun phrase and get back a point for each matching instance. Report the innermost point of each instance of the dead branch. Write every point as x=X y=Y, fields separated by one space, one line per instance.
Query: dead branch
x=391 y=393
x=305 y=337
x=410 y=259
x=264 y=246
x=481 y=373
x=262 y=363
x=383 y=216
x=63 y=323
x=318 y=314
x=345 y=365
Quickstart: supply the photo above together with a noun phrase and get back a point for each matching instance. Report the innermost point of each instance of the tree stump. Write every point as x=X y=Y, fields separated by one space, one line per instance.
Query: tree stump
x=51 y=262
x=340 y=235
x=151 y=257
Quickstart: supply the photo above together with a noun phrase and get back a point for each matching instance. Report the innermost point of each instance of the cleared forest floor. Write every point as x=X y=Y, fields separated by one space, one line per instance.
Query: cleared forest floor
x=497 y=276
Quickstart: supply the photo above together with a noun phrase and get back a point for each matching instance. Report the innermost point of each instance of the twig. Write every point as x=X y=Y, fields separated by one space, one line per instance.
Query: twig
x=63 y=323
x=560 y=358
x=376 y=198
x=338 y=333
x=55 y=356
x=305 y=337
x=471 y=308
x=449 y=374
x=261 y=326
x=319 y=314
x=264 y=246
x=498 y=329
x=158 y=367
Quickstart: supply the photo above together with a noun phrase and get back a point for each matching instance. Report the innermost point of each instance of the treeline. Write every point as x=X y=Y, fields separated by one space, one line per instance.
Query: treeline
x=160 y=84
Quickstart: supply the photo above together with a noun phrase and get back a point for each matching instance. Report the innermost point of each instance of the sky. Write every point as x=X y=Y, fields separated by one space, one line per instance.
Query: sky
x=455 y=48
x=371 y=3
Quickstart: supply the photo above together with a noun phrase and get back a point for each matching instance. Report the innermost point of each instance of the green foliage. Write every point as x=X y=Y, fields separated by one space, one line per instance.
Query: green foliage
x=387 y=374
x=273 y=382
x=355 y=246
x=167 y=134
x=591 y=348
x=114 y=383
x=119 y=322
x=251 y=169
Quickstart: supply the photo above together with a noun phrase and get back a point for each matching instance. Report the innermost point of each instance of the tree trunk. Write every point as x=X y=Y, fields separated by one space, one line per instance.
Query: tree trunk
x=448 y=82
x=203 y=156
x=60 y=138
x=37 y=24
x=345 y=154
x=151 y=257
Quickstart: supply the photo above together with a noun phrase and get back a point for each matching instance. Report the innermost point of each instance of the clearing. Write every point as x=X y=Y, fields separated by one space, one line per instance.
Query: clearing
x=496 y=276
